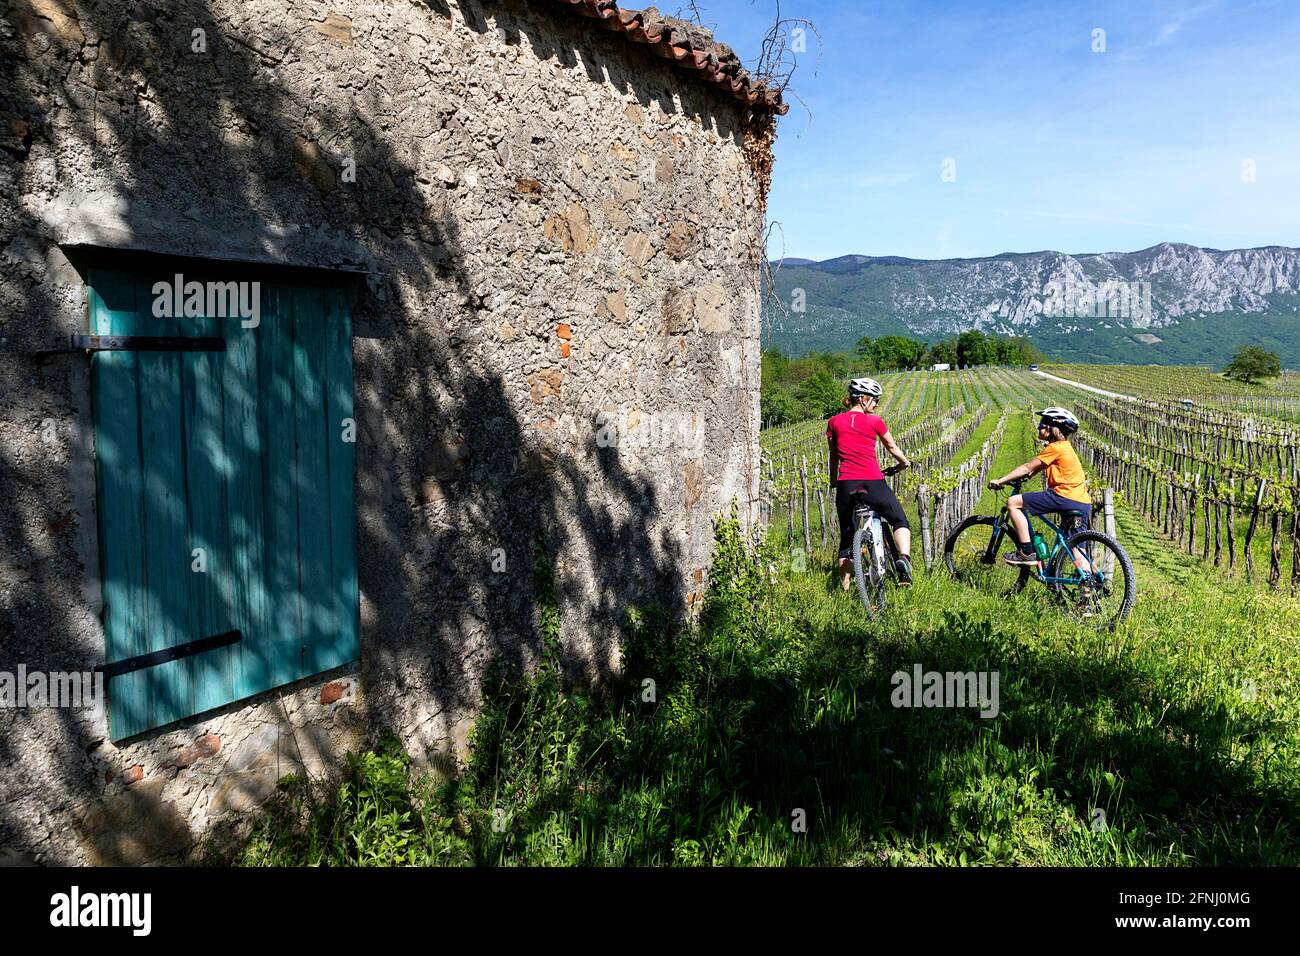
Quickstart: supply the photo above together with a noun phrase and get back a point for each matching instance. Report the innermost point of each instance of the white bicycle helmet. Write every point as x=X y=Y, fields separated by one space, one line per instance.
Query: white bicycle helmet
x=865 y=386
x=1062 y=418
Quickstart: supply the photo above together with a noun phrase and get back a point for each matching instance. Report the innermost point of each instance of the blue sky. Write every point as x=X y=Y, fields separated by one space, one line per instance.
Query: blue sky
x=1053 y=146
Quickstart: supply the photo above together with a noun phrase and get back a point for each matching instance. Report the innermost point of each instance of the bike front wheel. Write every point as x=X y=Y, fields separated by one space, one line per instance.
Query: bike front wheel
x=972 y=554
x=867 y=569
x=1093 y=579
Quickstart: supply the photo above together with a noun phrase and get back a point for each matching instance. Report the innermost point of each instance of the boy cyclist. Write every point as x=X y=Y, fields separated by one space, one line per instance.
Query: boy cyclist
x=1067 y=485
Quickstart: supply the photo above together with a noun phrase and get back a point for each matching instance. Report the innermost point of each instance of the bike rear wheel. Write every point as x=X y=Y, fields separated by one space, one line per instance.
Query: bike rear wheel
x=974 y=557
x=1099 y=587
x=867 y=569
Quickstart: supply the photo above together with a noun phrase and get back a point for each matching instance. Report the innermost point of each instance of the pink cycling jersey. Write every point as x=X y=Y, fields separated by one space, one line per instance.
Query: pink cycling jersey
x=853 y=435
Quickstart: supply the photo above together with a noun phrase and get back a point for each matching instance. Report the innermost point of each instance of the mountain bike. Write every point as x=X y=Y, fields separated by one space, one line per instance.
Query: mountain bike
x=1088 y=573
x=875 y=556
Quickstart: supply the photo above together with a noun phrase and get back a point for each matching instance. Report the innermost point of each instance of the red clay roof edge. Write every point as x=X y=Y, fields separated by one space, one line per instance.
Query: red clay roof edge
x=716 y=63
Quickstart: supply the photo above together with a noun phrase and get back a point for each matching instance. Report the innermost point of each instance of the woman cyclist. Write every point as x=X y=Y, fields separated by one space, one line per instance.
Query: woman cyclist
x=852 y=436
x=1067 y=486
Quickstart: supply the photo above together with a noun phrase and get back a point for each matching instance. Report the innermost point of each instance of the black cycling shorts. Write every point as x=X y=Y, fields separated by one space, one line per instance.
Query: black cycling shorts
x=879 y=495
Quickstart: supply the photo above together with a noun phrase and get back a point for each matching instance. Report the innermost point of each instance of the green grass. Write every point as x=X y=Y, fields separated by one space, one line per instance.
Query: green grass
x=776 y=707
x=765 y=732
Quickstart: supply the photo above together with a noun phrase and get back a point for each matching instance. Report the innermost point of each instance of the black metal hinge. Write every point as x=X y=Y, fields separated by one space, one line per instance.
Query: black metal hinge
x=174 y=653
x=147 y=343
x=138 y=343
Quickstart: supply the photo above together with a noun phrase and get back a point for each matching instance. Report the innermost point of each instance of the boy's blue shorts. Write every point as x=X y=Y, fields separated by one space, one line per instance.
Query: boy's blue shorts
x=1046 y=502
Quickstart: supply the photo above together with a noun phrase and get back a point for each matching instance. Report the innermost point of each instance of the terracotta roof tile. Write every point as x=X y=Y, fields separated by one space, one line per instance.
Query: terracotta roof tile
x=686 y=44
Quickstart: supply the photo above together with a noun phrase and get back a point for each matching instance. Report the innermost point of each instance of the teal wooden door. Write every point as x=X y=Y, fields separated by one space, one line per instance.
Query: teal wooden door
x=225 y=493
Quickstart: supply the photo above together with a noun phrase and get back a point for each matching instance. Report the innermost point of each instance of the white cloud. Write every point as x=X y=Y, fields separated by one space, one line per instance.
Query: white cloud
x=1169 y=29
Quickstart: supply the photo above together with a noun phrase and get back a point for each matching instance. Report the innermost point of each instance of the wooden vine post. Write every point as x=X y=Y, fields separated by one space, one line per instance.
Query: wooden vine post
x=1108 y=510
x=1250 y=529
x=1295 y=544
x=821 y=511
x=927 y=539
x=1232 y=521
x=803 y=481
x=1275 y=550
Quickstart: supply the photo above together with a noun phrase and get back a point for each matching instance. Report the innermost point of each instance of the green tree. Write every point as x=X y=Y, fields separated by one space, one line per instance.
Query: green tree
x=1013 y=350
x=774 y=368
x=778 y=406
x=820 y=394
x=942 y=352
x=1029 y=353
x=919 y=349
x=974 y=348
x=837 y=363
x=896 y=351
x=1252 y=363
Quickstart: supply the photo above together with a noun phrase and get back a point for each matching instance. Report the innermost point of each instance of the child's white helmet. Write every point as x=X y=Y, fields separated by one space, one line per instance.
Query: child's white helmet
x=1062 y=418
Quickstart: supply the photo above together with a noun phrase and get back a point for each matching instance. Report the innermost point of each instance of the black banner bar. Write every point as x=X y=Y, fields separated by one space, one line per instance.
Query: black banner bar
x=931 y=907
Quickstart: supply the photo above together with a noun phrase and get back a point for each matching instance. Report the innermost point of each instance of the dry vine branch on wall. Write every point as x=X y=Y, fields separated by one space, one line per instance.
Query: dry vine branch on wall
x=760 y=139
x=768 y=279
x=775 y=66
x=777 y=58
x=689 y=12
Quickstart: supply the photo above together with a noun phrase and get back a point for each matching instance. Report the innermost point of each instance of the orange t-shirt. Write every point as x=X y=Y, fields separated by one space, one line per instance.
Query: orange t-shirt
x=1064 y=472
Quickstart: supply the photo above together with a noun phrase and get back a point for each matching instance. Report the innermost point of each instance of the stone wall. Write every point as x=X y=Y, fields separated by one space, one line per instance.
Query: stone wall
x=545 y=222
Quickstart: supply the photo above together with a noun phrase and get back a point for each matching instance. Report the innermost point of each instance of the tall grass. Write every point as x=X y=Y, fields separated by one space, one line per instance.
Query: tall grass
x=764 y=734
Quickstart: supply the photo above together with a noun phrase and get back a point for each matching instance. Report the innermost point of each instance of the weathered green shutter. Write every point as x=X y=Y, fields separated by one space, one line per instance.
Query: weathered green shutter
x=241 y=453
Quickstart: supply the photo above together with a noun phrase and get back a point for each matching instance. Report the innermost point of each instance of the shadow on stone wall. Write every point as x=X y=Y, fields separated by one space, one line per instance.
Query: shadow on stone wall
x=446 y=468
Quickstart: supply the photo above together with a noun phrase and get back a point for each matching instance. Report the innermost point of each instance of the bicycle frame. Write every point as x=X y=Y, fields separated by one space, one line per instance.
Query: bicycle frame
x=862 y=514
x=1058 y=545
x=1002 y=526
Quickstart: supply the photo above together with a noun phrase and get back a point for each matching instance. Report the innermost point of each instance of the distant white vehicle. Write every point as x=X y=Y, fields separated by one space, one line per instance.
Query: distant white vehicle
x=1033 y=368
x=940 y=367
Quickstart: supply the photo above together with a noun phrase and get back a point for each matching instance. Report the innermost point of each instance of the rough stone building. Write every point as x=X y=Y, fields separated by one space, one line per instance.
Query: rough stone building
x=475 y=281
